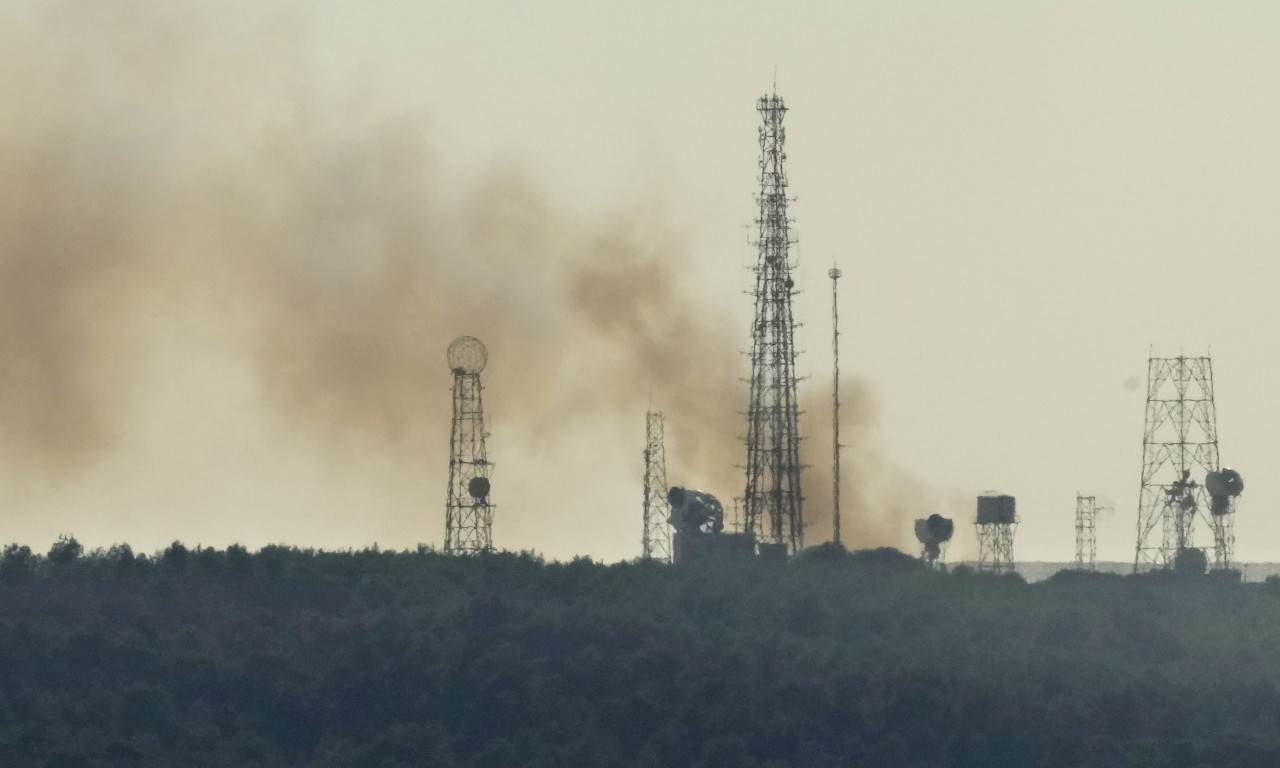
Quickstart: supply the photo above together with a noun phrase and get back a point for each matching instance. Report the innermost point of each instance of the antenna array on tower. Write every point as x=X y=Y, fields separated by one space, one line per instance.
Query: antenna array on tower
x=772 y=501
x=1179 y=462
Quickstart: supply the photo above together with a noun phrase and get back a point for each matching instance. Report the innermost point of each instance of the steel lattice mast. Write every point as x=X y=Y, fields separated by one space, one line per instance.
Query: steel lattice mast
x=468 y=526
x=657 y=531
x=1179 y=448
x=772 y=501
x=1086 y=533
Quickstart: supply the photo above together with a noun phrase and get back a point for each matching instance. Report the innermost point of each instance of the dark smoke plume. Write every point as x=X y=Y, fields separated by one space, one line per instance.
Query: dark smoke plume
x=168 y=174
x=319 y=241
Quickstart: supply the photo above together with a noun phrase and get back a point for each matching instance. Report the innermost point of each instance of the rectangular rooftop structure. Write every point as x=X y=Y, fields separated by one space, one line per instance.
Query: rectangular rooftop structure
x=994 y=510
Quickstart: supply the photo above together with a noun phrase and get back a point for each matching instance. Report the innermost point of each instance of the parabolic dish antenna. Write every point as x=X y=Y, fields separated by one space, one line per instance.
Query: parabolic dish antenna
x=478 y=488
x=467 y=355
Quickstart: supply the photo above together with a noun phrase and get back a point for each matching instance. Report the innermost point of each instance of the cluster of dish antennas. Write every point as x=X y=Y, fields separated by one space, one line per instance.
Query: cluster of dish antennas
x=933 y=532
x=1223 y=486
x=695 y=511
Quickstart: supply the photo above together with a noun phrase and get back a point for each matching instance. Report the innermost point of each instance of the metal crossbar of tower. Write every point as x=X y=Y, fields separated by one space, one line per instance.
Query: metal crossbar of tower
x=657 y=510
x=468 y=525
x=772 y=501
x=1086 y=533
x=1179 y=451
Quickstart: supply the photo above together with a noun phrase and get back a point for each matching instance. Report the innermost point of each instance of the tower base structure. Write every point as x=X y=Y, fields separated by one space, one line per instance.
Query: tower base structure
x=996 y=523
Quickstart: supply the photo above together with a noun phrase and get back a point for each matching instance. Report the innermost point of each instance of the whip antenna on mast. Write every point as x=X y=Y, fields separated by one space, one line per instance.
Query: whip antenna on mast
x=834 y=274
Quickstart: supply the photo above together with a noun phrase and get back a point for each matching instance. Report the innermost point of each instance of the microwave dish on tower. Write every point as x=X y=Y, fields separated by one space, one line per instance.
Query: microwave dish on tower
x=933 y=533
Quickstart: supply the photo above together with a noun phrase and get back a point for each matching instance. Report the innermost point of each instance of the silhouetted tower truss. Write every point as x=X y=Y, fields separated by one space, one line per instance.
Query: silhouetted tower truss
x=1179 y=449
x=772 y=502
x=657 y=510
x=468 y=522
x=996 y=523
x=834 y=273
x=1224 y=536
x=1086 y=533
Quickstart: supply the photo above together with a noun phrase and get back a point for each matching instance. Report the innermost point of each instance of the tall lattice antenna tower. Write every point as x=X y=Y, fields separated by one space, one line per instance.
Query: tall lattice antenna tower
x=1086 y=533
x=772 y=501
x=657 y=510
x=996 y=522
x=834 y=273
x=468 y=521
x=1179 y=454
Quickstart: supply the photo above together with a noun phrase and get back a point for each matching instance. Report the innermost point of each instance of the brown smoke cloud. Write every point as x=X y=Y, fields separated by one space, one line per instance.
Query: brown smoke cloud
x=166 y=165
x=359 y=292
x=71 y=202
x=165 y=172
x=878 y=499
x=65 y=277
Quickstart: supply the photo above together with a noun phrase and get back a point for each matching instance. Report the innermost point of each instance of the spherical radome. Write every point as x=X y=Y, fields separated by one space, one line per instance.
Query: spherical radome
x=467 y=355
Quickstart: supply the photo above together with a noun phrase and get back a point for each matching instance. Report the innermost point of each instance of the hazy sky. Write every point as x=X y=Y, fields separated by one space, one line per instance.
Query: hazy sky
x=1025 y=199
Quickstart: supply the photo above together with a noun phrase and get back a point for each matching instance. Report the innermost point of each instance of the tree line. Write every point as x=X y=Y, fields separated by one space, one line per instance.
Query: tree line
x=297 y=657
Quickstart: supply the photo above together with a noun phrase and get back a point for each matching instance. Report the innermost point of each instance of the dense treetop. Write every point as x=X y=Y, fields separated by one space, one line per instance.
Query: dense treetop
x=289 y=657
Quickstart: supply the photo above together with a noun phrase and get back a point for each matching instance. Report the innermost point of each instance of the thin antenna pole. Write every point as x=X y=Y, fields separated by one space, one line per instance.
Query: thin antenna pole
x=834 y=274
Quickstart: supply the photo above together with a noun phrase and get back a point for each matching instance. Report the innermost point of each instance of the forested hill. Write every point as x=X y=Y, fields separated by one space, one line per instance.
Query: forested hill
x=286 y=657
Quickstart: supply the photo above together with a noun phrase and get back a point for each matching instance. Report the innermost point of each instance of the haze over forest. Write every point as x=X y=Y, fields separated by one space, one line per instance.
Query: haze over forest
x=235 y=242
